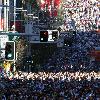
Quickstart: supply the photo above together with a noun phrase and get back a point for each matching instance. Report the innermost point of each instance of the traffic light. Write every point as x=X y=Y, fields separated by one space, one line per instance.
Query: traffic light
x=10 y=50
x=18 y=15
x=54 y=35
x=29 y=59
x=43 y=36
x=68 y=42
x=74 y=33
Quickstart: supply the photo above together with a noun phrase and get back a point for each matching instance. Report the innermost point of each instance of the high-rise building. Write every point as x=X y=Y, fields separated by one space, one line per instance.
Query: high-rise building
x=1 y=19
x=16 y=16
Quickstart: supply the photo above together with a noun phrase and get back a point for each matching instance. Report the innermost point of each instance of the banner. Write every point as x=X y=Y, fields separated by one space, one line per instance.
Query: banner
x=1 y=24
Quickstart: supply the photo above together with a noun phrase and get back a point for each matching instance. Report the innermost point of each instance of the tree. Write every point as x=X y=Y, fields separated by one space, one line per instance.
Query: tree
x=21 y=49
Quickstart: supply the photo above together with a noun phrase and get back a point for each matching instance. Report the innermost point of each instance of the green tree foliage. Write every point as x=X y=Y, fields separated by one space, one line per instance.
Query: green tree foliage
x=21 y=49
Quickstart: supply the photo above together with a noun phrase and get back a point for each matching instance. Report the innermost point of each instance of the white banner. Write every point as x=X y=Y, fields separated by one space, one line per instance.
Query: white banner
x=3 y=40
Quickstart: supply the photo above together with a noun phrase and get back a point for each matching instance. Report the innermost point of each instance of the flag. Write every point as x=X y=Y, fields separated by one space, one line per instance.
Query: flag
x=42 y=4
x=57 y=3
x=55 y=12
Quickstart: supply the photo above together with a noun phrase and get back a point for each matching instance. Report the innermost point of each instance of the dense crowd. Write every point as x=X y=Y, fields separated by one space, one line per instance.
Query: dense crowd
x=51 y=86
x=75 y=55
x=70 y=73
x=66 y=80
x=84 y=12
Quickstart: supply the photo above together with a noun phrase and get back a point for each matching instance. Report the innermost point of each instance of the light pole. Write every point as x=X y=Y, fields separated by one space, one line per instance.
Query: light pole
x=0 y=19
x=0 y=15
x=4 y=14
x=6 y=11
x=14 y=15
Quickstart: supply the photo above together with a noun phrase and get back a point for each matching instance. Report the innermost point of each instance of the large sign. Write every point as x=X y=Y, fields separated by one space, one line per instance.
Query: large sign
x=3 y=40
x=53 y=35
